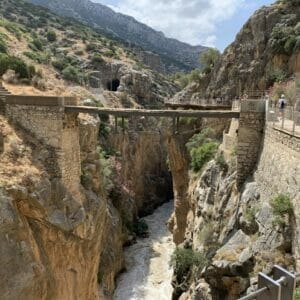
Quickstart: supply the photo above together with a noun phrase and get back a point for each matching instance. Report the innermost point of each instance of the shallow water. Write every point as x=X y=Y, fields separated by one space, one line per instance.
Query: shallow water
x=148 y=275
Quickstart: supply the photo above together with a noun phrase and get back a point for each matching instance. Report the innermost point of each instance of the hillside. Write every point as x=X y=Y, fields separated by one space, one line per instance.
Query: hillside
x=174 y=54
x=56 y=55
x=265 y=51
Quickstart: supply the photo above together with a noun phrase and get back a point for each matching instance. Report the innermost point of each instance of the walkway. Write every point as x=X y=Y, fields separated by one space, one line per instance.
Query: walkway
x=121 y=112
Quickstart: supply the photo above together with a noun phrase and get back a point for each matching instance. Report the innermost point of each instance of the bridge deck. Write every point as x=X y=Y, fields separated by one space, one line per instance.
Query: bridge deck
x=198 y=106
x=120 y=112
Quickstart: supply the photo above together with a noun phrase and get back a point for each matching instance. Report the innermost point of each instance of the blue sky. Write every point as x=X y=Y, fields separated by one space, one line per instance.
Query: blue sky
x=205 y=22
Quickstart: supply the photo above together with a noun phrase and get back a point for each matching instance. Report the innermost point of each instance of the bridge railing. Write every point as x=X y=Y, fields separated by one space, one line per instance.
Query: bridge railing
x=201 y=102
x=287 y=120
x=253 y=105
x=281 y=286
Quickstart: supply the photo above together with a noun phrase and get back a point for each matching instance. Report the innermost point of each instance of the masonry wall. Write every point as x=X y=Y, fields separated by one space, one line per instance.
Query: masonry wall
x=45 y=119
x=278 y=171
x=250 y=133
x=44 y=122
x=70 y=161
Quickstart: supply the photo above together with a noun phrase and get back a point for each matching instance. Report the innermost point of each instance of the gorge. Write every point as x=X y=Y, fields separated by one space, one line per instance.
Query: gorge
x=109 y=192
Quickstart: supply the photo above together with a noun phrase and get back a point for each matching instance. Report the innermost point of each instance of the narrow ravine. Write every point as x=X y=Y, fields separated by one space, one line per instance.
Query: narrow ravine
x=148 y=274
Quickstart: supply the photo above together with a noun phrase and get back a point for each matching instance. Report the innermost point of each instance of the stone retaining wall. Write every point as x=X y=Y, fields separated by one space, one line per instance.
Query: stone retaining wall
x=250 y=135
x=45 y=119
x=278 y=169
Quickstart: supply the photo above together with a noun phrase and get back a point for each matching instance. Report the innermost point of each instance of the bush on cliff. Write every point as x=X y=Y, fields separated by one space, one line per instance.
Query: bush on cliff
x=51 y=36
x=202 y=148
x=72 y=74
x=208 y=59
x=105 y=172
x=8 y=62
x=202 y=155
x=282 y=207
x=182 y=260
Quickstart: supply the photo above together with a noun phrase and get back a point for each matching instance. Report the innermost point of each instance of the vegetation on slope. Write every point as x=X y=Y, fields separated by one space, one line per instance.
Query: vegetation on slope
x=69 y=47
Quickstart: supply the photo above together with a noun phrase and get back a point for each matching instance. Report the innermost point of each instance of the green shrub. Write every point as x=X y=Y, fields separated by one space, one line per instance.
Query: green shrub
x=208 y=59
x=39 y=57
x=109 y=53
x=3 y=47
x=197 y=140
x=202 y=148
x=85 y=179
x=91 y=47
x=13 y=63
x=51 y=36
x=282 y=205
x=221 y=162
x=104 y=130
x=105 y=172
x=31 y=71
x=297 y=294
x=275 y=75
x=290 y=44
x=202 y=155
x=182 y=260
x=71 y=73
x=97 y=59
x=36 y=45
x=251 y=213
x=206 y=233
x=140 y=228
x=59 y=64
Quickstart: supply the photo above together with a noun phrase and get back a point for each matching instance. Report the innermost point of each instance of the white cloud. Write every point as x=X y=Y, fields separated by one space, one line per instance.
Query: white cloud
x=192 y=21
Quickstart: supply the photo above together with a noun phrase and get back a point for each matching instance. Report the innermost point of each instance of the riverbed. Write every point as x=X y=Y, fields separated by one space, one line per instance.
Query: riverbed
x=148 y=273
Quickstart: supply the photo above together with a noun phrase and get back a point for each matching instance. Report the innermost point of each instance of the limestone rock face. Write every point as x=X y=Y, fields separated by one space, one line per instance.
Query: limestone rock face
x=51 y=238
x=143 y=177
x=236 y=232
x=256 y=58
x=144 y=87
x=250 y=62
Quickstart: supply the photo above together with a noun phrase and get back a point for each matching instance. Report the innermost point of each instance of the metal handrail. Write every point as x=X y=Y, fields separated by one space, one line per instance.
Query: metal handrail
x=254 y=294
x=260 y=291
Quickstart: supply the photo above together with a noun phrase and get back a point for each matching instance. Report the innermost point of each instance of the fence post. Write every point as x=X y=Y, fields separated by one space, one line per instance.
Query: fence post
x=123 y=125
x=177 y=124
x=294 y=121
x=289 y=286
x=174 y=125
x=116 y=124
x=274 y=289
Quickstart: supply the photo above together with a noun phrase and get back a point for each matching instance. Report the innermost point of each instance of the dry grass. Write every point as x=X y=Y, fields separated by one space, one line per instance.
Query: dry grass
x=16 y=163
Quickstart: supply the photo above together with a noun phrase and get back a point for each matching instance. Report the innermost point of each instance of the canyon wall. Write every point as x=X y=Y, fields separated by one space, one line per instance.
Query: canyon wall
x=236 y=228
x=50 y=223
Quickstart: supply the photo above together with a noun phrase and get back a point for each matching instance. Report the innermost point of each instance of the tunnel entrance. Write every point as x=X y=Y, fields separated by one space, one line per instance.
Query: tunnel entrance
x=113 y=85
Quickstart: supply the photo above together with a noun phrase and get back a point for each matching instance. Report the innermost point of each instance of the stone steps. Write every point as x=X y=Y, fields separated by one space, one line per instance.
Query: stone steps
x=3 y=93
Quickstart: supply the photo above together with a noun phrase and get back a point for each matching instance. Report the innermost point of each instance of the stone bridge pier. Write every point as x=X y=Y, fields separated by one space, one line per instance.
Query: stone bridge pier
x=250 y=135
x=45 y=119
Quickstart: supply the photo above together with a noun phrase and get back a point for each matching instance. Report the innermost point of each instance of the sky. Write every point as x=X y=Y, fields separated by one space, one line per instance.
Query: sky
x=213 y=23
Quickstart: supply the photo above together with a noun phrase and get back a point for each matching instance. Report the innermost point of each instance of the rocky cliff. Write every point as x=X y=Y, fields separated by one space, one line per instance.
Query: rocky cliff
x=51 y=233
x=174 y=54
x=239 y=231
x=265 y=50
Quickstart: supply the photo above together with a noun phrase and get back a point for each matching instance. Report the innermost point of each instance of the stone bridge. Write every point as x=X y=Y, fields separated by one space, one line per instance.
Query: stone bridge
x=53 y=121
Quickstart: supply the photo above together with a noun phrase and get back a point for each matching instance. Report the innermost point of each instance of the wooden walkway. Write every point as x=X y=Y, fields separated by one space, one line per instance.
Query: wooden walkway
x=126 y=113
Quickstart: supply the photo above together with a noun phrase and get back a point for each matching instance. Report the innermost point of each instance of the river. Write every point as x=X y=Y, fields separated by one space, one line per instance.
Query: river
x=148 y=275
